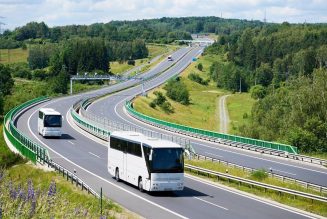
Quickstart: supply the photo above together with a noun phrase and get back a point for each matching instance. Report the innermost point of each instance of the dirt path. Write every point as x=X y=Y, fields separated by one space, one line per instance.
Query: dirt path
x=223 y=114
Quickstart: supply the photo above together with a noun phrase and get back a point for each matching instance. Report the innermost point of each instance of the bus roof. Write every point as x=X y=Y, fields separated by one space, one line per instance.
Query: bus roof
x=139 y=137
x=49 y=111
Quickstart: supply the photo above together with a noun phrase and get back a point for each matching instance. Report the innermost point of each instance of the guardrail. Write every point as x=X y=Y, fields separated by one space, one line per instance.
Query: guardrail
x=307 y=185
x=240 y=180
x=73 y=178
x=21 y=142
x=210 y=134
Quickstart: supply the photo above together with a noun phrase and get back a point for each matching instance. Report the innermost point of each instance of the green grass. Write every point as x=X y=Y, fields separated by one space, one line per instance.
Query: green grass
x=155 y=50
x=239 y=108
x=301 y=203
x=67 y=201
x=7 y=158
x=13 y=55
x=23 y=91
x=201 y=113
x=79 y=87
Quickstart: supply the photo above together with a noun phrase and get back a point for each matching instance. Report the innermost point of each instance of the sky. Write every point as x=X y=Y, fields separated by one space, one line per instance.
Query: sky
x=15 y=13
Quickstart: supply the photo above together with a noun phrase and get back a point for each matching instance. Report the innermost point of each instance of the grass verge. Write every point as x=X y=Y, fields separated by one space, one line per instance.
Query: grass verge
x=316 y=207
x=239 y=108
x=28 y=192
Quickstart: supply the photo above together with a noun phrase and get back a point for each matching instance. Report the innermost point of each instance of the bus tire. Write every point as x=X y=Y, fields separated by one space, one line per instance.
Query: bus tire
x=117 y=175
x=140 y=184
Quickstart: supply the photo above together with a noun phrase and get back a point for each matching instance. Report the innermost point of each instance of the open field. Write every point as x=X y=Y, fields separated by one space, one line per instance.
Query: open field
x=13 y=55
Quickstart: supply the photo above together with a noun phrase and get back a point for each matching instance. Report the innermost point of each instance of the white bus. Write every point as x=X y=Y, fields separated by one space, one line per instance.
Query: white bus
x=149 y=163
x=170 y=58
x=49 y=122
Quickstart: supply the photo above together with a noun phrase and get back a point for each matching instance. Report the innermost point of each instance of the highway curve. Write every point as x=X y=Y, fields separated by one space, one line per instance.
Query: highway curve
x=88 y=156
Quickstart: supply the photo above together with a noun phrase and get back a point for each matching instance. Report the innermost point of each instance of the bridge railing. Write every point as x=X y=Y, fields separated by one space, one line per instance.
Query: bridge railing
x=20 y=141
x=210 y=134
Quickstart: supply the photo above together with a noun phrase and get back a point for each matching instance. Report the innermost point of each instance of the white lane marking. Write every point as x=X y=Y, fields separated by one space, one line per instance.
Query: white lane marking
x=251 y=197
x=99 y=177
x=213 y=154
x=94 y=154
x=210 y=203
x=71 y=142
x=283 y=171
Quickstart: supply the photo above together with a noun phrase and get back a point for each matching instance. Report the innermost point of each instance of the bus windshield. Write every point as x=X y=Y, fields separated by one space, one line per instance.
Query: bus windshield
x=52 y=121
x=166 y=160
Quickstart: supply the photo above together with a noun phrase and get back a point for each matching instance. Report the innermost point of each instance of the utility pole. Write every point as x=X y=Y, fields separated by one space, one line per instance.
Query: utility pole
x=240 y=84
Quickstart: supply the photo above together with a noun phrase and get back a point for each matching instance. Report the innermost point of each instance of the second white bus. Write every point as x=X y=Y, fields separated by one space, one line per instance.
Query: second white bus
x=150 y=164
x=49 y=123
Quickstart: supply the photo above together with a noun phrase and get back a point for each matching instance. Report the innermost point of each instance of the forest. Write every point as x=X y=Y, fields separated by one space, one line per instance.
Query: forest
x=285 y=69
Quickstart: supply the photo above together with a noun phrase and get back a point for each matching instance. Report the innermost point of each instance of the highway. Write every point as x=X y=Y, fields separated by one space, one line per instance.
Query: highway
x=113 y=107
x=88 y=155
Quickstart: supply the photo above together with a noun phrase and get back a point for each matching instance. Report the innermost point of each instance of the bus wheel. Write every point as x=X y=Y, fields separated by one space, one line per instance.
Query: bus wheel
x=140 y=185
x=117 y=175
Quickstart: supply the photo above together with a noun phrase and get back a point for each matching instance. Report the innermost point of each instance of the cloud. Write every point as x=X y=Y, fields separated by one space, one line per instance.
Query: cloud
x=64 y=12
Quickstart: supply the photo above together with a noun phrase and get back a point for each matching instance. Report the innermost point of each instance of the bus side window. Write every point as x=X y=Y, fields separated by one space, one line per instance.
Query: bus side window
x=40 y=115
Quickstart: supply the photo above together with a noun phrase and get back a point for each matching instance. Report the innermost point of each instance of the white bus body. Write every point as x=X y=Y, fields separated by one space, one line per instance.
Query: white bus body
x=49 y=122
x=149 y=163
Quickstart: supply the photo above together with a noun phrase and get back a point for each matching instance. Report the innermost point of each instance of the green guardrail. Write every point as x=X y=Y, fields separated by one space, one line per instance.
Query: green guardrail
x=22 y=143
x=91 y=127
x=256 y=142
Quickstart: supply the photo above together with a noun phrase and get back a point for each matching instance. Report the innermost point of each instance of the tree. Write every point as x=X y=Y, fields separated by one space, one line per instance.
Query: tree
x=60 y=82
x=258 y=92
x=264 y=74
x=200 y=66
x=322 y=56
x=1 y=104
x=39 y=56
x=176 y=90
x=6 y=82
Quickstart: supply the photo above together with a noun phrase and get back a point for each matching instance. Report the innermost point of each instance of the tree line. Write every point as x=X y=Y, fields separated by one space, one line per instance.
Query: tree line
x=285 y=69
x=163 y=30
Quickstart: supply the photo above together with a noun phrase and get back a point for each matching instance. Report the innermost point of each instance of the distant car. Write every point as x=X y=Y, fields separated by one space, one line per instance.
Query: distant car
x=170 y=58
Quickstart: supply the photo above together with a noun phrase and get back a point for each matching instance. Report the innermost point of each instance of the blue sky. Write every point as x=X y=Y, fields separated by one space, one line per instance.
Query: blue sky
x=62 y=12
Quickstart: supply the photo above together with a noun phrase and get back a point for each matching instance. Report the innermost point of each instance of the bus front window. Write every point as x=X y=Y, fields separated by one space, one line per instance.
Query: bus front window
x=167 y=160
x=52 y=121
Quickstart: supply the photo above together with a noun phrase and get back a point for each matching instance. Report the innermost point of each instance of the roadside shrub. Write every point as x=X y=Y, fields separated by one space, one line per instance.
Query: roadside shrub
x=167 y=107
x=152 y=104
x=200 y=66
x=177 y=91
x=259 y=175
x=160 y=98
x=39 y=74
x=196 y=78
x=131 y=62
